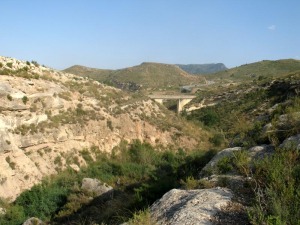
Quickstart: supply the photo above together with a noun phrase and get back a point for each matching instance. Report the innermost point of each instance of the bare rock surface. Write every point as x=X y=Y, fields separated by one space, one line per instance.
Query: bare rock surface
x=95 y=186
x=261 y=151
x=178 y=207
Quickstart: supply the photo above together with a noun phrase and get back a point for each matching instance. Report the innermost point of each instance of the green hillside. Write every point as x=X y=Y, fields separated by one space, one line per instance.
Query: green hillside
x=258 y=70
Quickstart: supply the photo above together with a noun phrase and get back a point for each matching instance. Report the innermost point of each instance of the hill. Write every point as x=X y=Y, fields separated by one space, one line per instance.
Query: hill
x=257 y=71
x=151 y=76
x=96 y=74
x=202 y=68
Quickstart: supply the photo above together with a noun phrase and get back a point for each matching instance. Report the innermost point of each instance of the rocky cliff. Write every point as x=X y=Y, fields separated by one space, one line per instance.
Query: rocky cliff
x=49 y=120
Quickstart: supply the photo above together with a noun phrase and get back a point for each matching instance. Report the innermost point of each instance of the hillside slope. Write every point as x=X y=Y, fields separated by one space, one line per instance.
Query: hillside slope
x=146 y=76
x=258 y=70
x=49 y=120
x=96 y=74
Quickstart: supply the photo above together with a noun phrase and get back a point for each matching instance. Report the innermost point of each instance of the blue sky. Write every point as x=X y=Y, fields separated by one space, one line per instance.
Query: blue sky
x=113 y=34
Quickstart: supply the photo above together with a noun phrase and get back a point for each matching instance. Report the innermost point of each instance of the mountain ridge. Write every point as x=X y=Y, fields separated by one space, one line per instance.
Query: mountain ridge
x=203 y=68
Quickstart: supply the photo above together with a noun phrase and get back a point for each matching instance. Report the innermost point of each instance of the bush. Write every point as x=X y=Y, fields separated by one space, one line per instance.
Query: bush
x=35 y=63
x=277 y=189
x=25 y=99
x=9 y=97
x=217 y=140
x=210 y=118
x=14 y=215
x=142 y=217
x=9 y=65
x=189 y=183
x=42 y=200
x=225 y=165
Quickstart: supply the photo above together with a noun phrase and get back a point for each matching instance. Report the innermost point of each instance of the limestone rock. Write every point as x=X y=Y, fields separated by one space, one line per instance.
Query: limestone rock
x=261 y=151
x=2 y=211
x=210 y=167
x=291 y=142
x=179 y=207
x=75 y=167
x=95 y=186
x=33 y=221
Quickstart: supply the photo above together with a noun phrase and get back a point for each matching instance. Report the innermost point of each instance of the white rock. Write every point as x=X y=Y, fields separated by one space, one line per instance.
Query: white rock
x=291 y=142
x=179 y=207
x=95 y=186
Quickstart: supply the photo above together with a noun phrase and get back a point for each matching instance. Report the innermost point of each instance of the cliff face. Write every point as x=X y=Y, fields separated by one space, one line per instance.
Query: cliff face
x=50 y=120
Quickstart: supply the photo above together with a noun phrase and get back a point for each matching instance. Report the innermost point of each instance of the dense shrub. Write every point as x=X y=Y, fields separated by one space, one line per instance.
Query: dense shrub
x=277 y=189
x=43 y=200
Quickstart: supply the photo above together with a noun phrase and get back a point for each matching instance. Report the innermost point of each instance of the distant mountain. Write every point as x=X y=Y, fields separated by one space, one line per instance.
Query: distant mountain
x=202 y=68
x=146 y=75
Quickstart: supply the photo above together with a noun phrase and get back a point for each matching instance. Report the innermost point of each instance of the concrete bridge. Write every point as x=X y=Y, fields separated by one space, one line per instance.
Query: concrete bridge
x=182 y=99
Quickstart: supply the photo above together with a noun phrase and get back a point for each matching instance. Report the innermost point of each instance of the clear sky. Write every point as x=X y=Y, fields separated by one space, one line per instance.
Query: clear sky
x=113 y=34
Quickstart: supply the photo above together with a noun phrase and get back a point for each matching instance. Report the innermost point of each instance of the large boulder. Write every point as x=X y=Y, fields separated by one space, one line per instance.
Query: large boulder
x=178 y=207
x=95 y=186
x=291 y=142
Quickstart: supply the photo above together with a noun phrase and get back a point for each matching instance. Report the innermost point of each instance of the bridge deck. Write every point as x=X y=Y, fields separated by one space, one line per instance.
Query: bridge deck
x=172 y=96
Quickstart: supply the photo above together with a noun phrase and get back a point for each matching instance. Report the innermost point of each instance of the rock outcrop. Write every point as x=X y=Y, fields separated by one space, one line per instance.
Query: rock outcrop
x=95 y=187
x=178 y=207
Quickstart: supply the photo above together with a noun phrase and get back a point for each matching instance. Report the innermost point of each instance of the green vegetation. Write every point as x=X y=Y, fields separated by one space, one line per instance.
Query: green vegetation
x=9 y=65
x=25 y=99
x=138 y=173
x=258 y=71
x=12 y=164
x=35 y=63
x=22 y=72
x=9 y=97
x=276 y=187
x=235 y=119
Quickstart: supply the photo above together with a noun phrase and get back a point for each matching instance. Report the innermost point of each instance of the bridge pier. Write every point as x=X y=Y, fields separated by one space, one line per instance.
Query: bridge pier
x=159 y=100
x=181 y=103
x=182 y=100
